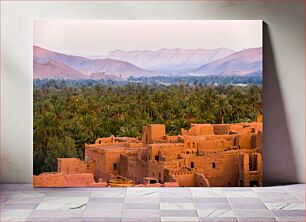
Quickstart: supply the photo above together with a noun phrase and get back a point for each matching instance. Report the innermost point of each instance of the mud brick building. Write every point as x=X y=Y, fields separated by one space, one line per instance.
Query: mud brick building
x=204 y=155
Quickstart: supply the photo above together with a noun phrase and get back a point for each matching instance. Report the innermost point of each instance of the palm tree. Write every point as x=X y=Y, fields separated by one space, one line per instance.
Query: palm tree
x=222 y=107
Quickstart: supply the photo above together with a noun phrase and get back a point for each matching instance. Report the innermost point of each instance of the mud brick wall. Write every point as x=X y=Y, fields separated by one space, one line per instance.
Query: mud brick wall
x=185 y=179
x=124 y=165
x=74 y=165
x=246 y=138
x=66 y=180
x=199 y=130
x=201 y=181
x=259 y=141
x=248 y=176
x=220 y=129
x=168 y=151
x=153 y=132
x=105 y=140
x=98 y=156
x=156 y=170
x=171 y=139
x=132 y=168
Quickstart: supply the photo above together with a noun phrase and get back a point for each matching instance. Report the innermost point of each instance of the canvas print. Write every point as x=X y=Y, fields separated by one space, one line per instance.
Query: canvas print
x=147 y=103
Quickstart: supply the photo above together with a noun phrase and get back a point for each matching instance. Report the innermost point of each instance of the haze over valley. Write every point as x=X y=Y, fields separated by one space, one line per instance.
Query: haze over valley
x=121 y=65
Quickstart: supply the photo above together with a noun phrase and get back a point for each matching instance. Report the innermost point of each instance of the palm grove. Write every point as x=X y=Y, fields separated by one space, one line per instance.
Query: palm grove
x=66 y=117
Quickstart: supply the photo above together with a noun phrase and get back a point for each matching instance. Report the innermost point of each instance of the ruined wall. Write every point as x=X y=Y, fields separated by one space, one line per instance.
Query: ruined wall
x=111 y=163
x=211 y=143
x=135 y=145
x=109 y=159
x=260 y=169
x=212 y=166
x=246 y=138
x=165 y=151
x=124 y=166
x=171 y=139
x=229 y=172
x=153 y=132
x=259 y=141
x=96 y=154
x=185 y=179
x=199 y=130
x=220 y=169
x=201 y=181
x=66 y=180
x=236 y=127
x=257 y=125
x=110 y=139
x=156 y=170
x=250 y=169
x=74 y=165
x=132 y=167
x=221 y=129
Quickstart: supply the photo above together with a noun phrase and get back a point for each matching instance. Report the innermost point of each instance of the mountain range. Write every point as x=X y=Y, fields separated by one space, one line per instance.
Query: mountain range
x=120 y=65
x=244 y=62
x=49 y=64
x=170 y=59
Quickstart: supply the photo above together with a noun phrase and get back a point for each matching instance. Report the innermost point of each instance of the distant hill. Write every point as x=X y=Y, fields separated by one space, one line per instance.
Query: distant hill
x=248 y=61
x=42 y=56
x=113 y=67
x=170 y=59
x=80 y=66
x=55 y=70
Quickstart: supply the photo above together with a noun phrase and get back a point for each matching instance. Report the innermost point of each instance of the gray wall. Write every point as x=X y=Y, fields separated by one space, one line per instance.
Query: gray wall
x=284 y=77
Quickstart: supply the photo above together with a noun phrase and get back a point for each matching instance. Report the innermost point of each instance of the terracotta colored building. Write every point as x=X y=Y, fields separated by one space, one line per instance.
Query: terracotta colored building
x=204 y=155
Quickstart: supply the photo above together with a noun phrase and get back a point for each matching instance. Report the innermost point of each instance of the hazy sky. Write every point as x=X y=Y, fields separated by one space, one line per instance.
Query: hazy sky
x=97 y=37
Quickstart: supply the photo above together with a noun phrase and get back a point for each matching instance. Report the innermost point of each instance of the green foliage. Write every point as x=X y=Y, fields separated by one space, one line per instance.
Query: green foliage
x=66 y=117
x=254 y=79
